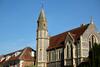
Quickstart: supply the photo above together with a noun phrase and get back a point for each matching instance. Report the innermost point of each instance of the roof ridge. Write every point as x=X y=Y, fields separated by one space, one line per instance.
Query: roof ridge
x=69 y=30
x=22 y=52
x=13 y=52
x=56 y=41
x=16 y=51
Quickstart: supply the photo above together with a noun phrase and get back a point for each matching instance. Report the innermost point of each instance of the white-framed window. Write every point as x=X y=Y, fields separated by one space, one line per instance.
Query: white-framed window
x=53 y=55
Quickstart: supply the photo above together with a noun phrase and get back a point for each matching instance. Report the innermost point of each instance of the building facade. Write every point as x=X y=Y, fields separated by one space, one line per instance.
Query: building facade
x=66 y=49
x=21 y=58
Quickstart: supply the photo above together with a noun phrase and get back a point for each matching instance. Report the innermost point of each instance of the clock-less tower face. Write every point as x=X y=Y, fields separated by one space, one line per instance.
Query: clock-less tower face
x=42 y=40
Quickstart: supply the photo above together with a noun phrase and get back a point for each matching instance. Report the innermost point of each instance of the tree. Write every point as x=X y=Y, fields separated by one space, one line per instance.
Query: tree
x=94 y=56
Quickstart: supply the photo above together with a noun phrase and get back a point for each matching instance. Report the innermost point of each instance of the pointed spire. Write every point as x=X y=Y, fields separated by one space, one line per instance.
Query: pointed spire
x=42 y=23
x=91 y=20
x=42 y=16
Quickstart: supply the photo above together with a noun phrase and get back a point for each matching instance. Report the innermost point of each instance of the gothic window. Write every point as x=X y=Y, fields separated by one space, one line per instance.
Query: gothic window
x=90 y=44
x=53 y=56
x=92 y=40
x=68 y=49
x=59 y=53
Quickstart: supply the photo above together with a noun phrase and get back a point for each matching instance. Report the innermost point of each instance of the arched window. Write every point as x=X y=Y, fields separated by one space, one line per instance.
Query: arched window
x=68 y=49
x=92 y=40
x=90 y=46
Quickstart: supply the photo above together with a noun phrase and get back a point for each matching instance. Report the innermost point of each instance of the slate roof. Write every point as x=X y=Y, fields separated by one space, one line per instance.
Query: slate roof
x=57 y=41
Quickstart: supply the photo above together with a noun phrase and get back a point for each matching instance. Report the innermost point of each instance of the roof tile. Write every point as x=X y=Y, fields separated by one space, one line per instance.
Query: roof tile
x=58 y=40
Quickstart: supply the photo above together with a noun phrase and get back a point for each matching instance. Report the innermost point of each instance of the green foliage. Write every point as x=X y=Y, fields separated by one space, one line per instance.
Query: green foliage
x=94 y=56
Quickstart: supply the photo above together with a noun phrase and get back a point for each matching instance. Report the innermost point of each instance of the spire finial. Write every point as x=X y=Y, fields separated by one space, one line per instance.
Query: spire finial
x=42 y=13
x=42 y=3
x=91 y=20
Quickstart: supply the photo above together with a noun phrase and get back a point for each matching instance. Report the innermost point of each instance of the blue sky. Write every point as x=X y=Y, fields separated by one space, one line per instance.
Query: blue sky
x=18 y=19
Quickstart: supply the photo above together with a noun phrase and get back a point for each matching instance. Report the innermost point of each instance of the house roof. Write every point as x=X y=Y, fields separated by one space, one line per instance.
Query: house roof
x=57 y=41
x=23 y=54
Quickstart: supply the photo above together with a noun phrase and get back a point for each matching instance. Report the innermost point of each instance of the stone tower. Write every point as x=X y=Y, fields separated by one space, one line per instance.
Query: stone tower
x=42 y=40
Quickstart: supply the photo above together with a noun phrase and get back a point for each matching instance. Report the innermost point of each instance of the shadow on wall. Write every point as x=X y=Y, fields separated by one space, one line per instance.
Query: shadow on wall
x=62 y=58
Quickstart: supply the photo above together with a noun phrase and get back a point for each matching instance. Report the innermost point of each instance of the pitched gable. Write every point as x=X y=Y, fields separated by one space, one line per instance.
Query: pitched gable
x=24 y=54
x=57 y=41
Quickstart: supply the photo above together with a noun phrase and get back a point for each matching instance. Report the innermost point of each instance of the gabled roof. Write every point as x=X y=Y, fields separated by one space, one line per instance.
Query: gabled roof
x=23 y=54
x=57 y=41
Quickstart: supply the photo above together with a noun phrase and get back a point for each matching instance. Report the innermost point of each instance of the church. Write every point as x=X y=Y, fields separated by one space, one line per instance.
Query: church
x=66 y=49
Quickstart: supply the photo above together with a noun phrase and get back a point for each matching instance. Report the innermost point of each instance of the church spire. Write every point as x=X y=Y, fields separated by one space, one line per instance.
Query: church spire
x=42 y=23
x=42 y=40
x=42 y=16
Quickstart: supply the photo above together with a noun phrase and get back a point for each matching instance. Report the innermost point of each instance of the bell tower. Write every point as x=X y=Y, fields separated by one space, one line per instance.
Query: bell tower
x=42 y=40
